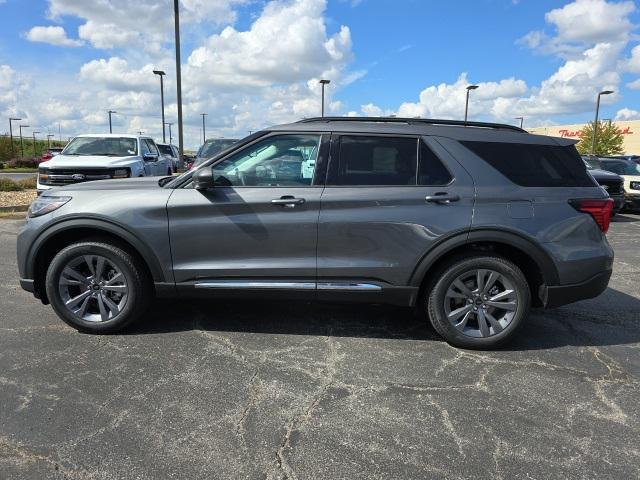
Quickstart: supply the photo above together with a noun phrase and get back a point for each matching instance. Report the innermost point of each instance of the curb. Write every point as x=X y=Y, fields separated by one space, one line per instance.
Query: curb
x=15 y=209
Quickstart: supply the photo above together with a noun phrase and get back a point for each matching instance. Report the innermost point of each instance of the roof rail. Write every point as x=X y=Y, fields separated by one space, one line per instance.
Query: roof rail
x=413 y=121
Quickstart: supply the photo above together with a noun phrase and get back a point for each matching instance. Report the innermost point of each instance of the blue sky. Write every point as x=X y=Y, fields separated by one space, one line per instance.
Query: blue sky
x=542 y=59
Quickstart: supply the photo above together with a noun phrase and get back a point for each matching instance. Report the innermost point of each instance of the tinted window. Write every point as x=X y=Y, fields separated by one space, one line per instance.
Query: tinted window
x=534 y=165
x=166 y=150
x=281 y=160
x=376 y=161
x=431 y=171
x=211 y=147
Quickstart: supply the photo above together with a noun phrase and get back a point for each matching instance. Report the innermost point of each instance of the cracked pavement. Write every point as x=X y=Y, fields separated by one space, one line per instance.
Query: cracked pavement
x=261 y=390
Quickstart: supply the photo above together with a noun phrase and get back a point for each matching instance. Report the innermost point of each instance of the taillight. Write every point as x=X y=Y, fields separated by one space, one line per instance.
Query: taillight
x=600 y=210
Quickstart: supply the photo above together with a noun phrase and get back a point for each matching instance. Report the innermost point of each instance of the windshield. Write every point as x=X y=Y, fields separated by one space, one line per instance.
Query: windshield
x=592 y=162
x=165 y=149
x=104 y=146
x=211 y=147
x=622 y=168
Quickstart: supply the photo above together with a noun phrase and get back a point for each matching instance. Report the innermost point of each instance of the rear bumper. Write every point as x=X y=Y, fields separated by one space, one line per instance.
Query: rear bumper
x=559 y=295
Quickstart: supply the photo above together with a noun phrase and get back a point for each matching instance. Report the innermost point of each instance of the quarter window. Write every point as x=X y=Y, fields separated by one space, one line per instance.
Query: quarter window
x=376 y=161
x=431 y=171
x=277 y=161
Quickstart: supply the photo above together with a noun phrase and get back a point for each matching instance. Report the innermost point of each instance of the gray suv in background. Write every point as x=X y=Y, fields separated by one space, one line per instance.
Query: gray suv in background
x=470 y=223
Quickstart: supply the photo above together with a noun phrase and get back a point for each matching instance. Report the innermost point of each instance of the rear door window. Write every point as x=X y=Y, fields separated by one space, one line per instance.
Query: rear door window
x=531 y=165
x=373 y=160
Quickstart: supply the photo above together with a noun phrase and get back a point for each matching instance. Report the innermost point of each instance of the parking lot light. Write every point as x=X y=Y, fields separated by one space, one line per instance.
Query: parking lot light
x=176 y=17
x=49 y=140
x=35 y=153
x=204 y=133
x=161 y=74
x=21 y=142
x=466 y=105
x=110 y=128
x=595 y=124
x=13 y=153
x=323 y=83
x=521 y=120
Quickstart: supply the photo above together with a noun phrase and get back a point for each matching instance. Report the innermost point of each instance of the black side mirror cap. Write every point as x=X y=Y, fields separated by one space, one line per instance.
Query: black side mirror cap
x=150 y=157
x=203 y=178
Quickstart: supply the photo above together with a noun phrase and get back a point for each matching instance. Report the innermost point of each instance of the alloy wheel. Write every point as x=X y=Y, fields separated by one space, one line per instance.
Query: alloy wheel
x=93 y=288
x=481 y=303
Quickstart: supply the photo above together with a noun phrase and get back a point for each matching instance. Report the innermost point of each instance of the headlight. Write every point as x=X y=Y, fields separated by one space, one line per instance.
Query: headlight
x=121 y=173
x=46 y=204
x=635 y=185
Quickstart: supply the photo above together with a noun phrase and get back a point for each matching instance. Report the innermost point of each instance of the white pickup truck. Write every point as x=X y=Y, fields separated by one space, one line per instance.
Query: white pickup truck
x=102 y=157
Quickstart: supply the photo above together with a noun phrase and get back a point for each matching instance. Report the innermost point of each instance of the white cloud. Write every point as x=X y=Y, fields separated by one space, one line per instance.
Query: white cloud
x=54 y=35
x=627 y=114
x=287 y=43
x=635 y=85
x=146 y=24
x=582 y=23
x=115 y=74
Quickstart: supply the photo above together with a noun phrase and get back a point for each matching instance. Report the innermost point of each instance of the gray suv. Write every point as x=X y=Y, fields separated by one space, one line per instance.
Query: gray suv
x=470 y=223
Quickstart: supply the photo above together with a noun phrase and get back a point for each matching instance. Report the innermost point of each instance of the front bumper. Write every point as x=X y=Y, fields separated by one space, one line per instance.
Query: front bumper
x=618 y=202
x=632 y=202
x=559 y=295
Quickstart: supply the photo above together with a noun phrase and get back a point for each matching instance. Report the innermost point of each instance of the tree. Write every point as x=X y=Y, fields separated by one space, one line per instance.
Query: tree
x=609 y=140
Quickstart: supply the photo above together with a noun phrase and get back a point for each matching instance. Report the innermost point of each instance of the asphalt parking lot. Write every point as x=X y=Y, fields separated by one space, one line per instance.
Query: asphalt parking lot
x=296 y=390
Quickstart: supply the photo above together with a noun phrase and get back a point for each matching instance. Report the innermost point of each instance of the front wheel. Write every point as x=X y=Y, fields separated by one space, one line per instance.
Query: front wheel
x=478 y=302
x=97 y=287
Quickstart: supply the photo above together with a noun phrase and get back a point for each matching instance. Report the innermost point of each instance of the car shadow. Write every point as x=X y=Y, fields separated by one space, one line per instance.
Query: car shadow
x=611 y=319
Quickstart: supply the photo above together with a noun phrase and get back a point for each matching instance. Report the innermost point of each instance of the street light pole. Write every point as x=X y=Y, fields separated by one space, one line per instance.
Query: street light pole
x=170 y=137
x=110 y=128
x=49 y=140
x=13 y=153
x=466 y=105
x=521 y=120
x=204 y=132
x=21 y=143
x=176 y=15
x=161 y=74
x=595 y=124
x=323 y=83
x=35 y=153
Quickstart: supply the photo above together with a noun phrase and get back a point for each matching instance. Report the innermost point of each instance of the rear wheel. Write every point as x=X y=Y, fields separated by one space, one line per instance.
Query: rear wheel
x=478 y=302
x=97 y=287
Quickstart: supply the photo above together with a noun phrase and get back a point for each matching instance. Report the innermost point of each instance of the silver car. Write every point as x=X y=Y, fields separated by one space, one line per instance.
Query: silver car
x=470 y=223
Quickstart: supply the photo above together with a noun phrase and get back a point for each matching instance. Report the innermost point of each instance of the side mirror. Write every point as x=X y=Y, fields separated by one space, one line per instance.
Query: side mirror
x=150 y=157
x=203 y=178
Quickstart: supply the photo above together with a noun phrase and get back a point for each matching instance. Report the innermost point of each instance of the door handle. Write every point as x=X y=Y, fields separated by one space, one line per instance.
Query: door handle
x=288 y=201
x=442 y=198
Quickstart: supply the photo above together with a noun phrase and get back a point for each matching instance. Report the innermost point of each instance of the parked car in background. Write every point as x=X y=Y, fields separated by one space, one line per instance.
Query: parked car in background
x=611 y=182
x=432 y=214
x=172 y=153
x=101 y=157
x=50 y=153
x=630 y=172
x=211 y=148
x=633 y=158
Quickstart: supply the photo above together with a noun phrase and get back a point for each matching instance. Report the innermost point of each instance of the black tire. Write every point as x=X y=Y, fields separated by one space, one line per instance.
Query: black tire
x=139 y=293
x=433 y=300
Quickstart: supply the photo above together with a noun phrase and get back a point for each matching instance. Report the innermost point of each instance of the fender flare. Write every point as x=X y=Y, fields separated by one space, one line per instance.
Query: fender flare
x=97 y=224
x=507 y=237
